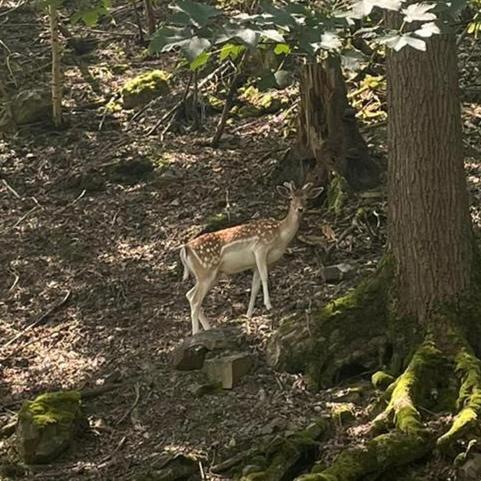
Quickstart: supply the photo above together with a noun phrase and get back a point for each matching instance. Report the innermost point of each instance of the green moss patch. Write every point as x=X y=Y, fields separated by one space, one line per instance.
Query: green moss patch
x=145 y=87
x=46 y=426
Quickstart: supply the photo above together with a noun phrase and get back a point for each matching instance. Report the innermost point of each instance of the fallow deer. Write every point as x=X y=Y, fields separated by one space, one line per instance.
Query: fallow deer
x=254 y=245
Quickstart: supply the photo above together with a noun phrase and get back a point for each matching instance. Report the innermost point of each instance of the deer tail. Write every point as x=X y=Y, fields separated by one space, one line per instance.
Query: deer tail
x=183 y=258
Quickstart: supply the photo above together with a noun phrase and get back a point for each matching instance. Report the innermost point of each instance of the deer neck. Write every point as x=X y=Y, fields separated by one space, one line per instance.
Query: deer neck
x=290 y=225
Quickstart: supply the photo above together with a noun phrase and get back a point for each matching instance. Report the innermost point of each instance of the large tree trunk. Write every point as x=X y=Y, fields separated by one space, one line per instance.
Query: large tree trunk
x=413 y=317
x=429 y=222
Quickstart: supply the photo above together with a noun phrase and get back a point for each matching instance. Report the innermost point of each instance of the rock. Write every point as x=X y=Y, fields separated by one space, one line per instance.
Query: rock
x=47 y=425
x=32 y=105
x=342 y=413
x=170 y=467
x=337 y=272
x=191 y=352
x=471 y=469
x=145 y=87
x=381 y=380
x=228 y=370
x=188 y=358
x=131 y=171
x=258 y=103
x=200 y=390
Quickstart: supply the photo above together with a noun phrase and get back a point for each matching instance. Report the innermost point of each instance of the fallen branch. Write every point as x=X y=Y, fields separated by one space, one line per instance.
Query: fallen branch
x=39 y=320
x=134 y=404
x=172 y=111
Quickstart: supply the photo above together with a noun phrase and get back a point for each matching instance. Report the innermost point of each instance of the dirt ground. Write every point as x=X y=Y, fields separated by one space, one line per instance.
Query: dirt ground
x=74 y=227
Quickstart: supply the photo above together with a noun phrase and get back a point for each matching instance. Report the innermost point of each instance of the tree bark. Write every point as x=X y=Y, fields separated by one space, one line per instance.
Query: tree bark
x=328 y=137
x=56 y=68
x=429 y=221
x=150 y=16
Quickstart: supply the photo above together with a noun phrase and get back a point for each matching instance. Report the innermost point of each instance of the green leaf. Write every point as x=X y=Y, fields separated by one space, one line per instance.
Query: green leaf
x=427 y=30
x=397 y=42
x=266 y=81
x=249 y=37
x=282 y=49
x=330 y=41
x=419 y=12
x=352 y=60
x=167 y=38
x=283 y=78
x=195 y=47
x=273 y=35
x=198 y=14
x=200 y=61
x=230 y=50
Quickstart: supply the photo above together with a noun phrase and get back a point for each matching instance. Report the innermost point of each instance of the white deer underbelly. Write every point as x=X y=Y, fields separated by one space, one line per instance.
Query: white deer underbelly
x=237 y=261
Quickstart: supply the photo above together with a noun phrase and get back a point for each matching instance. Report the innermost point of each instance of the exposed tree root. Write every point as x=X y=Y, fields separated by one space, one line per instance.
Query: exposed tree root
x=427 y=382
x=378 y=455
x=468 y=368
x=409 y=388
x=347 y=336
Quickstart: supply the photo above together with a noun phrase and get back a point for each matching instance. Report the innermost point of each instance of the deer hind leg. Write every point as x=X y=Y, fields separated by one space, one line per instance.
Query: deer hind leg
x=261 y=262
x=256 y=285
x=190 y=297
x=201 y=289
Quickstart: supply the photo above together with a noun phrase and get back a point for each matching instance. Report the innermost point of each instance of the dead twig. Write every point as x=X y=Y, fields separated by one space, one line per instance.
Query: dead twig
x=59 y=211
x=134 y=405
x=172 y=111
x=39 y=320
x=11 y=189
x=105 y=461
x=31 y=211
x=15 y=282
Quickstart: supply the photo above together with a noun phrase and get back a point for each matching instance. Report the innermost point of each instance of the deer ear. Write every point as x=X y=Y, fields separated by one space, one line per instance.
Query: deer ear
x=315 y=192
x=284 y=191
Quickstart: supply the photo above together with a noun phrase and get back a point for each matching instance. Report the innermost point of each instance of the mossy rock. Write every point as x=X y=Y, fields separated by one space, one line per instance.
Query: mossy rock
x=47 y=425
x=257 y=103
x=381 y=380
x=343 y=413
x=145 y=87
x=32 y=105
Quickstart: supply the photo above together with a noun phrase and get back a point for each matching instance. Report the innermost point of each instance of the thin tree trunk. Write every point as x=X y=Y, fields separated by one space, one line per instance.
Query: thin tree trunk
x=429 y=223
x=150 y=16
x=56 y=68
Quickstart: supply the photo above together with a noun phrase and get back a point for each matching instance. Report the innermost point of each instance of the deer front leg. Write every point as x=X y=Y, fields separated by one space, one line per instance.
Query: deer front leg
x=261 y=262
x=256 y=284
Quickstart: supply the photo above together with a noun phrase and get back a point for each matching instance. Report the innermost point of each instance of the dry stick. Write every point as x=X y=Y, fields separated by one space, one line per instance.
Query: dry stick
x=33 y=341
x=59 y=211
x=228 y=104
x=39 y=320
x=137 y=19
x=15 y=282
x=134 y=405
x=172 y=111
x=31 y=211
x=11 y=189
x=56 y=72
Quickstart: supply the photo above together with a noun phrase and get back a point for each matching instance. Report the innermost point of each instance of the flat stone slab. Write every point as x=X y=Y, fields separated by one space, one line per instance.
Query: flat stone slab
x=228 y=370
x=191 y=352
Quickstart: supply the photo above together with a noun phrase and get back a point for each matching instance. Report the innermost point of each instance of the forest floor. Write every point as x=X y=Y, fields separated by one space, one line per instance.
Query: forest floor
x=74 y=223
